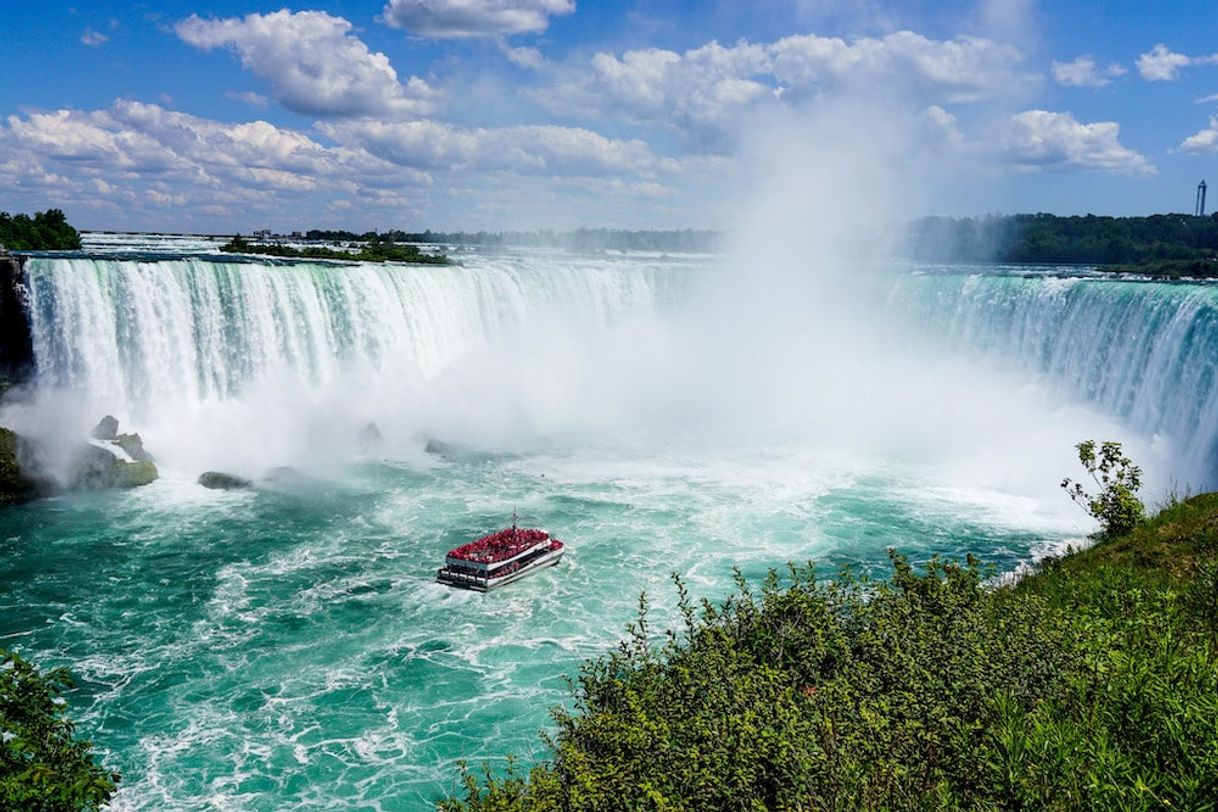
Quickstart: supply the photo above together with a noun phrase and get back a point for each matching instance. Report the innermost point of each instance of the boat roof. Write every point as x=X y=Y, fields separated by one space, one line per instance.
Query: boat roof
x=500 y=545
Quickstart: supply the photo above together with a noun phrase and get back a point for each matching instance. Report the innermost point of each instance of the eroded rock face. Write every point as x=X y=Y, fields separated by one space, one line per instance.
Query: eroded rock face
x=17 y=483
x=98 y=468
x=111 y=460
x=16 y=343
x=218 y=480
x=439 y=447
x=133 y=445
x=106 y=429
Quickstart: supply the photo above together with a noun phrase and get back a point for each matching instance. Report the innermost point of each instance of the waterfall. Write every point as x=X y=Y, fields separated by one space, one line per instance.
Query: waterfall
x=149 y=338
x=131 y=334
x=1145 y=352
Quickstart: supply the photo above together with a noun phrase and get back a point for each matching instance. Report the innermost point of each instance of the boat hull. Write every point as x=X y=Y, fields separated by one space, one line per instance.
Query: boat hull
x=479 y=583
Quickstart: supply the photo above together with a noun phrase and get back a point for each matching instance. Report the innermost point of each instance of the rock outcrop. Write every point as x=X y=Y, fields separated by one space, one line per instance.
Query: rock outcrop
x=16 y=345
x=111 y=460
x=134 y=446
x=98 y=467
x=17 y=482
x=370 y=437
x=220 y=481
x=440 y=447
x=106 y=429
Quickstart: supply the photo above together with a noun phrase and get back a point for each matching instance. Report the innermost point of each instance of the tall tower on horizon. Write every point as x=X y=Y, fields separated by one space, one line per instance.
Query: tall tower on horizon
x=1200 y=209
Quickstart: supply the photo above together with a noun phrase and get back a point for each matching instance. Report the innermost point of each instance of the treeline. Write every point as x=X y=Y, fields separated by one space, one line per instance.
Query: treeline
x=376 y=250
x=1049 y=239
x=45 y=231
x=1092 y=685
x=584 y=239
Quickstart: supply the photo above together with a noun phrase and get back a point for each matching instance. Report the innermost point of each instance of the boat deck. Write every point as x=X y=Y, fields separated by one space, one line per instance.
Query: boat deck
x=481 y=583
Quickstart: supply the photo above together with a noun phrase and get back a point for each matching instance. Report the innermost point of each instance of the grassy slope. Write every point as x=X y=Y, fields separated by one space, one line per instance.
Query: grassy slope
x=1092 y=684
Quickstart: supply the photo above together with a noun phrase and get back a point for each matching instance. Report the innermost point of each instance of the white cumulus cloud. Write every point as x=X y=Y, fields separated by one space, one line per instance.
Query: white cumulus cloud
x=1204 y=142
x=313 y=63
x=444 y=19
x=527 y=58
x=706 y=91
x=135 y=150
x=1083 y=72
x=1161 y=64
x=547 y=150
x=1044 y=140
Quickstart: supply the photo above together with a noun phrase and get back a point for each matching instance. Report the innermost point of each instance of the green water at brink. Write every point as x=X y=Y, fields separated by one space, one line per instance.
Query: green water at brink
x=287 y=647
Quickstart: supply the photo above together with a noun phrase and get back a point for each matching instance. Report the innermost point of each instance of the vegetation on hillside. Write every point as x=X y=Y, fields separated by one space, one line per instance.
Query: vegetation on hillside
x=44 y=767
x=45 y=231
x=1092 y=684
x=375 y=251
x=1141 y=242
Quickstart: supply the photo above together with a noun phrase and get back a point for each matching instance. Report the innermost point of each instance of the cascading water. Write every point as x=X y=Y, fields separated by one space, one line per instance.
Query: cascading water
x=151 y=340
x=134 y=334
x=1145 y=352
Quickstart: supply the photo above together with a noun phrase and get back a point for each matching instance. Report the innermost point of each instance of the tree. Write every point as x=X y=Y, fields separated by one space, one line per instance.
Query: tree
x=43 y=766
x=46 y=231
x=1116 y=507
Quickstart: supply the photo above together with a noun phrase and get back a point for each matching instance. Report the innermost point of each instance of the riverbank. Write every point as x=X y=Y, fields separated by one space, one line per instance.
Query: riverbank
x=1090 y=684
x=369 y=252
x=1206 y=268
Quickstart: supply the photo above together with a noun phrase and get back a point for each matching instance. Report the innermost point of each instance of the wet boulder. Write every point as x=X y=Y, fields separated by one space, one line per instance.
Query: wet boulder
x=440 y=447
x=101 y=466
x=370 y=437
x=220 y=481
x=133 y=445
x=106 y=429
x=287 y=479
x=17 y=482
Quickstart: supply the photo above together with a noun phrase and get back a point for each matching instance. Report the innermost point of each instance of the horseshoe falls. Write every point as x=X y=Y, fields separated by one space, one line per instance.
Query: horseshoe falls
x=1145 y=352
x=286 y=646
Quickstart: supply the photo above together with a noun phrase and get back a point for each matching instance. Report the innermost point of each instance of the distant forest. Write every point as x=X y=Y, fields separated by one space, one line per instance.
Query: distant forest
x=584 y=239
x=45 y=231
x=1049 y=239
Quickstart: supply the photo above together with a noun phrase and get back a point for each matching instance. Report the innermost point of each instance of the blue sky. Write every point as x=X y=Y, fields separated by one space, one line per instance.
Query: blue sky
x=217 y=116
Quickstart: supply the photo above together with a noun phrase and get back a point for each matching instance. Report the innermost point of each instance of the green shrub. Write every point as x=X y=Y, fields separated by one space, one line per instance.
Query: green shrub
x=1116 y=506
x=43 y=766
x=845 y=694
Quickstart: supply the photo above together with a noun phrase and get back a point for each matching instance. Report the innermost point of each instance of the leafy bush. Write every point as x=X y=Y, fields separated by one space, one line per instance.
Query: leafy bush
x=834 y=695
x=1116 y=506
x=43 y=766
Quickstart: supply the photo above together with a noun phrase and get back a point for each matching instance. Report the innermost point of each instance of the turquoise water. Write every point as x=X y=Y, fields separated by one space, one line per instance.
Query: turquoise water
x=275 y=649
x=287 y=647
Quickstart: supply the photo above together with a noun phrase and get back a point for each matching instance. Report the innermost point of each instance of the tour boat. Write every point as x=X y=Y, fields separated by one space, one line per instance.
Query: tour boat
x=499 y=558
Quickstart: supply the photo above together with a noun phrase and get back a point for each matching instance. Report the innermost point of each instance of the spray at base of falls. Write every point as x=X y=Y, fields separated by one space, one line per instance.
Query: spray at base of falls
x=243 y=366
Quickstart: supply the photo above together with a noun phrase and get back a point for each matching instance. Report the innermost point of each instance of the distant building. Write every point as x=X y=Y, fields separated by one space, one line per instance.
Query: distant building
x=262 y=234
x=1200 y=210
x=298 y=235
